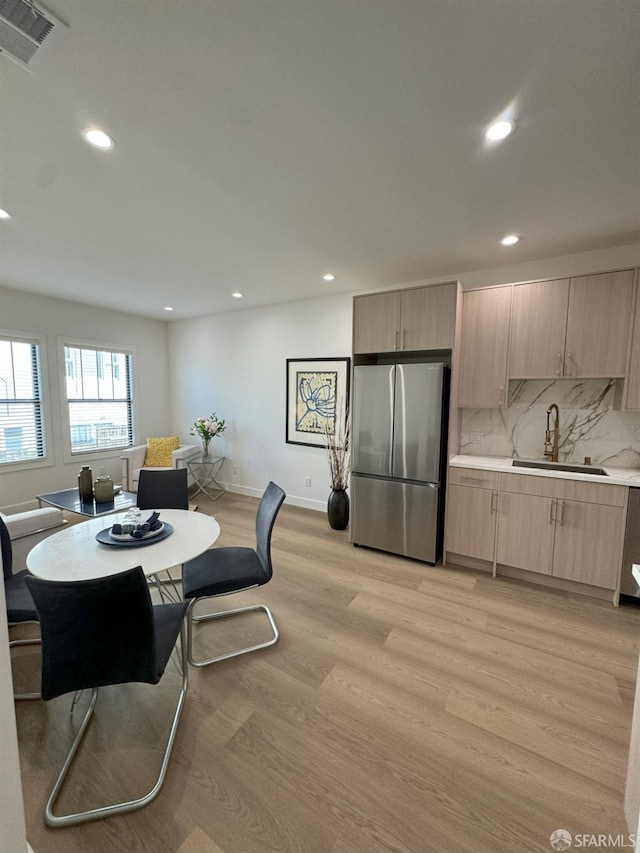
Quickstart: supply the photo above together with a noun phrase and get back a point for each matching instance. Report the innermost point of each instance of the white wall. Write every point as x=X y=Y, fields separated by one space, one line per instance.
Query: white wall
x=26 y=312
x=235 y=364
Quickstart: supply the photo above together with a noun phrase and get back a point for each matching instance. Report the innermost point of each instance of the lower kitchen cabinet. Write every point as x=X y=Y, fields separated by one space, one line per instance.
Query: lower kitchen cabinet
x=563 y=528
x=525 y=536
x=588 y=543
x=472 y=500
x=566 y=529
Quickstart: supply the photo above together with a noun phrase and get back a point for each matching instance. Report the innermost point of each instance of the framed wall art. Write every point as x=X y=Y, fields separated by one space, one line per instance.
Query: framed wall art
x=317 y=394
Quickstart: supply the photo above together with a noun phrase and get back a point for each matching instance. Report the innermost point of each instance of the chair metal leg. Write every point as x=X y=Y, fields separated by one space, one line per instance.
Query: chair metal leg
x=36 y=641
x=223 y=615
x=55 y=822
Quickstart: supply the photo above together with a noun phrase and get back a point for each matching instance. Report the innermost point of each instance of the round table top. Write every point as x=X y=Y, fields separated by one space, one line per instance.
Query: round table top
x=75 y=554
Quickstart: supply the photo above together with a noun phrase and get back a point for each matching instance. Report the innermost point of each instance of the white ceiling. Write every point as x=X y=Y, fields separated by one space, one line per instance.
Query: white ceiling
x=262 y=143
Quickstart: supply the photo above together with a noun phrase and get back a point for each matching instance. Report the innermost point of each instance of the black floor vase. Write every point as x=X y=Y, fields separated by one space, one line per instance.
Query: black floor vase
x=338 y=509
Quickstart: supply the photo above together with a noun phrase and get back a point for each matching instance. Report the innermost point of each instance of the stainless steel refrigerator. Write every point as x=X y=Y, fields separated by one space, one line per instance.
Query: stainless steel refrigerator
x=399 y=440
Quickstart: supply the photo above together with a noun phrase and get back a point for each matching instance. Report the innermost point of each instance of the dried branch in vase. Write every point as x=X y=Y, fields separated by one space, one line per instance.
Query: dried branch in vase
x=336 y=443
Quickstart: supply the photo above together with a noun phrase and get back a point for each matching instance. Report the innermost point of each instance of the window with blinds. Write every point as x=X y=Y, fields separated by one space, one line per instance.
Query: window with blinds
x=21 y=418
x=100 y=398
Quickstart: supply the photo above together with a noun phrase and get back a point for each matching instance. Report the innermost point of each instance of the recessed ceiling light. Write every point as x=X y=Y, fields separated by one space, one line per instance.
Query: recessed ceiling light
x=510 y=240
x=329 y=277
x=237 y=295
x=168 y=307
x=98 y=138
x=499 y=130
x=4 y=214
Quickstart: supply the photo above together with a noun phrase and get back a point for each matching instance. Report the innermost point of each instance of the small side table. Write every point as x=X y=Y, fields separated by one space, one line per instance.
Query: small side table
x=205 y=472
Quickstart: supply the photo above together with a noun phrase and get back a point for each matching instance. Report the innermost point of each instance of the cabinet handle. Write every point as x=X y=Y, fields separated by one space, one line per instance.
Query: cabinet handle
x=551 y=505
x=568 y=371
x=494 y=501
x=396 y=337
x=561 y=512
x=404 y=339
x=472 y=479
x=501 y=396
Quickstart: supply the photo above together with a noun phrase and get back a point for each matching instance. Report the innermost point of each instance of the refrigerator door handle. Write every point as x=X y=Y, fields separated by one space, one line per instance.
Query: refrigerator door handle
x=391 y=398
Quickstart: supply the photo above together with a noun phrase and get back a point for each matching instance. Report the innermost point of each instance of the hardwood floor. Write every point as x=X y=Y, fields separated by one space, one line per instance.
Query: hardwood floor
x=405 y=708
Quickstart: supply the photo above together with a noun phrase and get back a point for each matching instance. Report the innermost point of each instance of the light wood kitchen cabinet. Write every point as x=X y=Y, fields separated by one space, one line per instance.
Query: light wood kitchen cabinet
x=526 y=532
x=420 y=318
x=598 y=324
x=538 y=329
x=566 y=528
x=577 y=327
x=484 y=348
x=588 y=543
x=376 y=320
x=472 y=499
x=632 y=400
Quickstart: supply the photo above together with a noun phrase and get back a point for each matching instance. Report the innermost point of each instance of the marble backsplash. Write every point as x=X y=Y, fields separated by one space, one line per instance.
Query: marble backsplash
x=589 y=425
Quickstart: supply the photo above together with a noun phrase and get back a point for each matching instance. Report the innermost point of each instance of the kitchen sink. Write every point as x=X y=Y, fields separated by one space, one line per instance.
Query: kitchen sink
x=559 y=466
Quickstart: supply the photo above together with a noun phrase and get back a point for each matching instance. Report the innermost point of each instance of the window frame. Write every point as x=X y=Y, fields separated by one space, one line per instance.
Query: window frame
x=38 y=339
x=86 y=456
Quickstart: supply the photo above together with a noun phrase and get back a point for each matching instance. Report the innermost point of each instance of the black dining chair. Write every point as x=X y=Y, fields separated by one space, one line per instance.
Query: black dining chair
x=20 y=604
x=163 y=489
x=223 y=571
x=104 y=632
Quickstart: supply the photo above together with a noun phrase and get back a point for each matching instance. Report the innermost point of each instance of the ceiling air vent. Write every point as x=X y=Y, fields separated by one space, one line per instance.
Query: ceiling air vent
x=27 y=33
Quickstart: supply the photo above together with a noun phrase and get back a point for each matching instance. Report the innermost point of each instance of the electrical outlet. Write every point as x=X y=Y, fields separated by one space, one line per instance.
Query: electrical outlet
x=475 y=437
x=235 y=470
x=307 y=481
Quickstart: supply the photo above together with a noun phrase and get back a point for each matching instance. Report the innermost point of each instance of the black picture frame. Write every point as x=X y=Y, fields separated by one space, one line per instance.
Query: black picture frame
x=317 y=395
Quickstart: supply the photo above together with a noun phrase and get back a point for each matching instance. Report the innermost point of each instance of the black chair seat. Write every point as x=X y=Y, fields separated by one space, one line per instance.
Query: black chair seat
x=20 y=604
x=222 y=570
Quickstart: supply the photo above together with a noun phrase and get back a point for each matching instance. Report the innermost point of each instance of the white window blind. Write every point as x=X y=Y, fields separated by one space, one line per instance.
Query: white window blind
x=21 y=422
x=100 y=398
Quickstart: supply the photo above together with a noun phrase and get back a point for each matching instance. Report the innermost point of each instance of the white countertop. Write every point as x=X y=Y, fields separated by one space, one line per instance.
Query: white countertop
x=504 y=464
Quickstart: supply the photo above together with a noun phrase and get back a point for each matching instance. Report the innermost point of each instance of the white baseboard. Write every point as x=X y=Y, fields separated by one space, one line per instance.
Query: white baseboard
x=293 y=500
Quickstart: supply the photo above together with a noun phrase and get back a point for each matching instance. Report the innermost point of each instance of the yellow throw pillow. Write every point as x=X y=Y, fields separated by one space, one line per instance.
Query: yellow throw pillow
x=159 y=451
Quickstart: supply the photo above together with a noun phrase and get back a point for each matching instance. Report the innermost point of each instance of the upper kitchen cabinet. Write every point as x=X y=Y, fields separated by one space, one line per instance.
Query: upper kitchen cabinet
x=484 y=347
x=633 y=371
x=538 y=329
x=421 y=318
x=576 y=327
x=598 y=325
x=376 y=320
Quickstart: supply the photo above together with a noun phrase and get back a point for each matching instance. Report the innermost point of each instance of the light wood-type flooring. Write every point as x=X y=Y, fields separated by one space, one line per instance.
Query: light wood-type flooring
x=405 y=709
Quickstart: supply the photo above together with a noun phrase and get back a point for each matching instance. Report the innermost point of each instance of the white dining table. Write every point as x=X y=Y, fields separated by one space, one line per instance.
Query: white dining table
x=75 y=554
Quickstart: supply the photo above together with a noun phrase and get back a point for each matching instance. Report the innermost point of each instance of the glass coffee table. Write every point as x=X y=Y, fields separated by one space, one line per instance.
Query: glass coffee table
x=69 y=499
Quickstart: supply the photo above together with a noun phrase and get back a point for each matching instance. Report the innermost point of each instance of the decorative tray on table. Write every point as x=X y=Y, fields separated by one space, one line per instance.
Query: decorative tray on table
x=132 y=533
